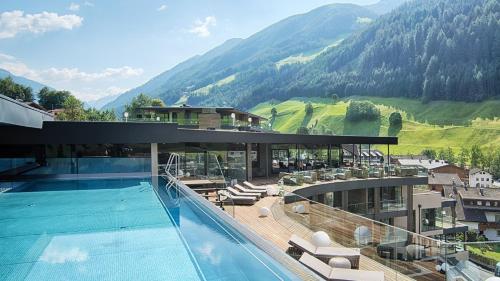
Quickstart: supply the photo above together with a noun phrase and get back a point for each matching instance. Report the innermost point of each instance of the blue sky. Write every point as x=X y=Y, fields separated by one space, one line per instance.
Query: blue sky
x=98 y=48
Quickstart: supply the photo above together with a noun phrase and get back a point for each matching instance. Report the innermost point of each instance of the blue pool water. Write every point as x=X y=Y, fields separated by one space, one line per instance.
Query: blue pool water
x=119 y=230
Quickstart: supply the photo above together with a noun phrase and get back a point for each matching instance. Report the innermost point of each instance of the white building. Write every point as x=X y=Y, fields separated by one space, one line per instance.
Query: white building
x=479 y=178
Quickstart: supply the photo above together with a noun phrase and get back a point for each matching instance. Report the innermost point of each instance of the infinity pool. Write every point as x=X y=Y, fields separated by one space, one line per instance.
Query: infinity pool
x=120 y=230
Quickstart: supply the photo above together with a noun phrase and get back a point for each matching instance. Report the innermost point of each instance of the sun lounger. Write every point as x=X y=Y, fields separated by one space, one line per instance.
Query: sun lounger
x=235 y=192
x=237 y=200
x=246 y=190
x=339 y=274
x=270 y=190
x=325 y=253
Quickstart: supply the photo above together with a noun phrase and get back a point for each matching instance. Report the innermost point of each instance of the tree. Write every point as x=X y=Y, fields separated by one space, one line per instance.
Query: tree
x=157 y=102
x=15 y=91
x=429 y=153
x=476 y=156
x=395 y=123
x=93 y=114
x=463 y=157
x=450 y=156
x=73 y=110
x=141 y=100
x=51 y=99
x=274 y=112
x=362 y=110
x=309 y=109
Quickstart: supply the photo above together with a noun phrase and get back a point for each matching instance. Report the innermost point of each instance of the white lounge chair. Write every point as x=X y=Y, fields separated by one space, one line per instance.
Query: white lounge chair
x=339 y=274
x=235 y=192
x=352 y=254
x=237 y=200
x=270 y=190
x=254 y=187
x=246 y=190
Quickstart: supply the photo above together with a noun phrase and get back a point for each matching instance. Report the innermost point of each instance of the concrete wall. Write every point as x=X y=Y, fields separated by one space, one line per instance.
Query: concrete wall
x=428 y=200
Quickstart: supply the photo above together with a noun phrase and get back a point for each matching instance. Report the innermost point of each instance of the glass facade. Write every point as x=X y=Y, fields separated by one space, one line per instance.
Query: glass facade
x=333 y=199
x=203 y=160
x=392 y=198
x=431 y=219
x=78 y=159
x=295 y=157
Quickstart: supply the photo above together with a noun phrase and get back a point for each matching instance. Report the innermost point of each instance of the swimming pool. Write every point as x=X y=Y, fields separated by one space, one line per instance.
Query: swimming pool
x=119 y=229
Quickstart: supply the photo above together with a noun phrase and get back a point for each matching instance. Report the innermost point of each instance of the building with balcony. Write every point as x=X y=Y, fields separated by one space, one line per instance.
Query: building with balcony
x=435 y=216
x=478 y=208
x=202 y=117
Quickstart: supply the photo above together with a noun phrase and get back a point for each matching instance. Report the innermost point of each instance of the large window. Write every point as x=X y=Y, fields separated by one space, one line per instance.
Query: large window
x=392 y=198
x=431 y=219
x=202 y=160
x=334 y=199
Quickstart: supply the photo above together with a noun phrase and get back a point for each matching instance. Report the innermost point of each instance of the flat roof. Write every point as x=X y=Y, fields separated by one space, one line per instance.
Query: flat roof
x=65 y=132
x=13 y=112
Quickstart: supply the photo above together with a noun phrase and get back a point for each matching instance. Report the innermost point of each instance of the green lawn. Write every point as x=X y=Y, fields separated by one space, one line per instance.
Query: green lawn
x=495 y=255
x=435 y=125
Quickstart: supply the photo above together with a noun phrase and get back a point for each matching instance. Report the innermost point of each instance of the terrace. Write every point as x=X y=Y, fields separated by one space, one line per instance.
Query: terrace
x=400 y=254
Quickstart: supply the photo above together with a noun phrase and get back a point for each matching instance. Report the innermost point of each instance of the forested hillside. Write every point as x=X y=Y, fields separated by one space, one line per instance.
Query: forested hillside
x=425 y=50
x=430 y=49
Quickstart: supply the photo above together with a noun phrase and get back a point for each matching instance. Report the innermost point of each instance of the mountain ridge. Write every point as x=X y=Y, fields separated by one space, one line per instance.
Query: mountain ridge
x=290 y=36
x=35 y=86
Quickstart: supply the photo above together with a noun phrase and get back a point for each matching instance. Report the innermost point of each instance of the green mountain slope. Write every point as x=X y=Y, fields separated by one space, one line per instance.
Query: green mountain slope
x=467 y=123
x=154 y=86
x=428 y=49
x=254 y=56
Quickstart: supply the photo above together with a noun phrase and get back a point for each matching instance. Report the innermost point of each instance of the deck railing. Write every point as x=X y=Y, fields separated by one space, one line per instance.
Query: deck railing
x=401 y=254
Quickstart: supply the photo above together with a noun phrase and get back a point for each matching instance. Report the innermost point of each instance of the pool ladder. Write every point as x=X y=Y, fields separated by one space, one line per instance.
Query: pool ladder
x=172 y=175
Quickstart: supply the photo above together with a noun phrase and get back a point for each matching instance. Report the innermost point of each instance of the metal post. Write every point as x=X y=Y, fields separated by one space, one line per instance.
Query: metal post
x=388 y=161
x=369 y=155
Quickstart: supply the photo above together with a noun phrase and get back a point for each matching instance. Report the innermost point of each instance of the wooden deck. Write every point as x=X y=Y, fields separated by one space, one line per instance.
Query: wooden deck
x=278 y=231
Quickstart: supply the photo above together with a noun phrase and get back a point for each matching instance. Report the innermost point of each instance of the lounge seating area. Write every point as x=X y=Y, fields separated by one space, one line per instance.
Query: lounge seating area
x=331 y=263
x=246 y=193
x=298 y=178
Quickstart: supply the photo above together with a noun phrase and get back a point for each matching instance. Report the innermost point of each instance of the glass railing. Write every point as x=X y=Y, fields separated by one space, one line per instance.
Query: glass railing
x=295 y=177
x=400 y=254
x=93 y=165
x=361 y=208
x=392 y=205
x=12 y=163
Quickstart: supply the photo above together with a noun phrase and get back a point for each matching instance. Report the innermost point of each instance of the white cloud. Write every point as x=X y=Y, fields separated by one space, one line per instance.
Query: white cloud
x=4 y=57
x=88 y=4
x=12 y=23
x=162 y=8
x=201 y=28
x=74 y=7
x=84 y=85
x=71 y=74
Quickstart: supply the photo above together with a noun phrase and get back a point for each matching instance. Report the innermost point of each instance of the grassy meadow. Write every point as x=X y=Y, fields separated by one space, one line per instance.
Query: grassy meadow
x=436 y=125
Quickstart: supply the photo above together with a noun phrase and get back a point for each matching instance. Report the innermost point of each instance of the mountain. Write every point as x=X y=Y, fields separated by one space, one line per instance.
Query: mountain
x=35 y=86
x=99 y=103
x=428 y=49
x=297 y=38
x=153 y=87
